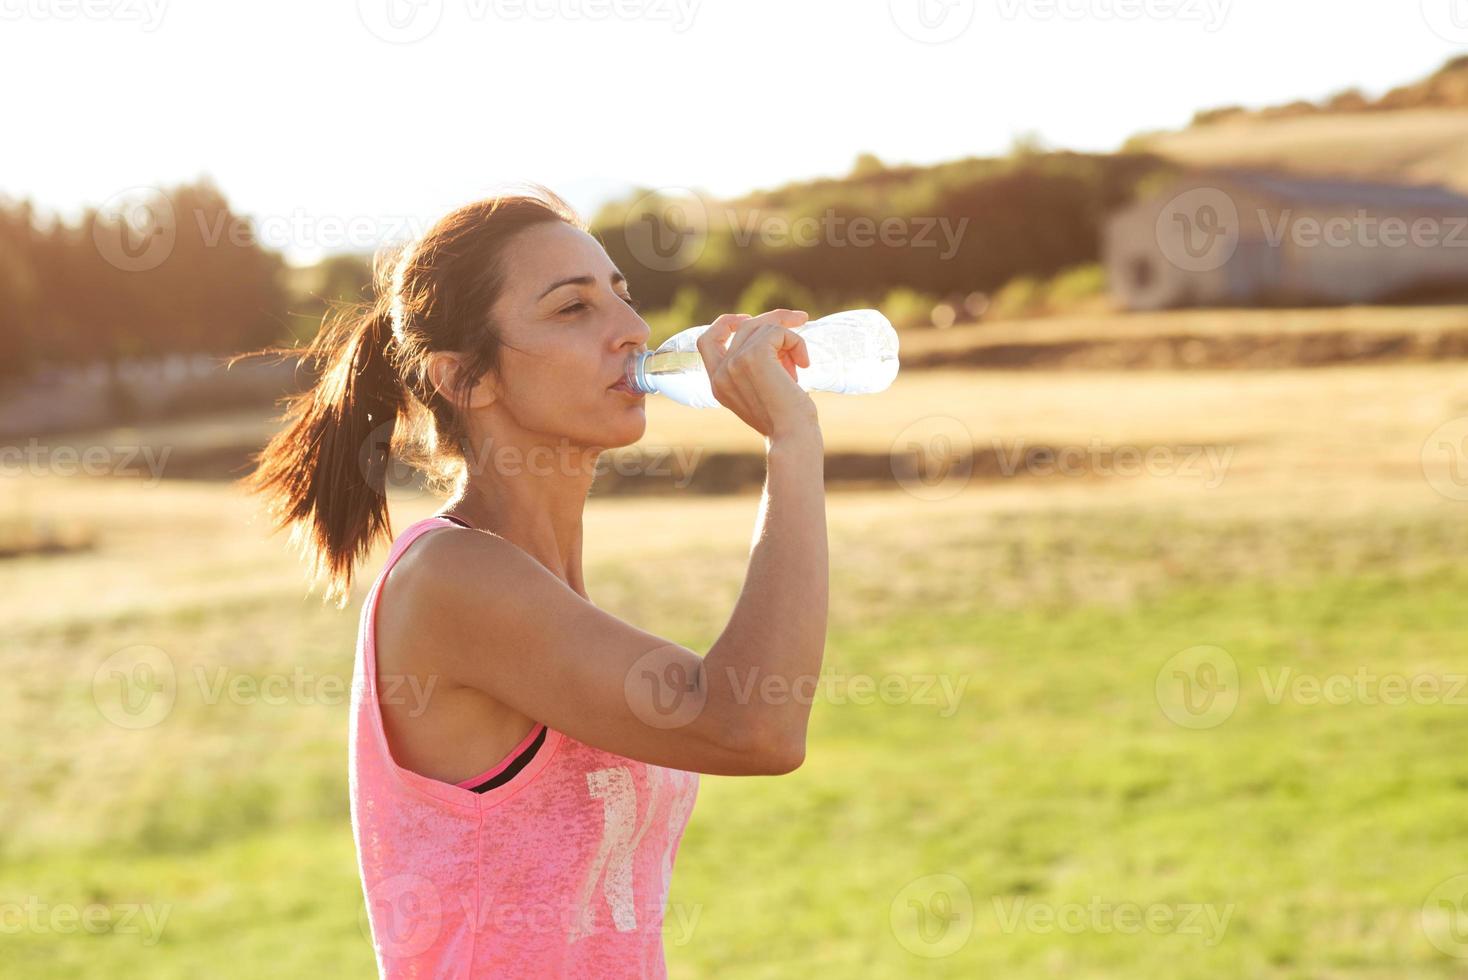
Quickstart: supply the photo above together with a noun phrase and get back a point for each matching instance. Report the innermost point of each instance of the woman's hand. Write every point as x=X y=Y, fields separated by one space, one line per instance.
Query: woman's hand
x=755 y=376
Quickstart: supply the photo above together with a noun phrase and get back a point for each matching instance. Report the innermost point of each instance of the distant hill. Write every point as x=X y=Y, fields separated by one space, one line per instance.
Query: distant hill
x=1416 y=133
x=1446 y=88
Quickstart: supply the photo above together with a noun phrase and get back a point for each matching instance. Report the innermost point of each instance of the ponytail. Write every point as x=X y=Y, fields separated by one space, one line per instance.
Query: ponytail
x=324 y=472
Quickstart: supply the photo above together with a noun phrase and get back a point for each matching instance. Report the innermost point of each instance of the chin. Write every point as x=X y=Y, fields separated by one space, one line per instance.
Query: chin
x=626 y=434
x=626 y=428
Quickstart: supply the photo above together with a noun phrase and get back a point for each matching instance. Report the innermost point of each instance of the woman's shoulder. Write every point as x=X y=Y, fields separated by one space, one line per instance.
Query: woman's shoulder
x=421 y=577
x=443 y=550
x=445 y=565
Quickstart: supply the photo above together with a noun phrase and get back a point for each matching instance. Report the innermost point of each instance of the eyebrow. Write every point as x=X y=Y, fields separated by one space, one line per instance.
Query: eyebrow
x=616 y=278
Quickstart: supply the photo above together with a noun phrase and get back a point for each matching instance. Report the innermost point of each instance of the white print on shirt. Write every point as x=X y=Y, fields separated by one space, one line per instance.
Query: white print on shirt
x=681 y=809
x=612 y=866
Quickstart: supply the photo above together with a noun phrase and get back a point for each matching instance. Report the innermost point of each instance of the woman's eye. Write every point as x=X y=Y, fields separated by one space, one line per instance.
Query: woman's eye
x=578 y=306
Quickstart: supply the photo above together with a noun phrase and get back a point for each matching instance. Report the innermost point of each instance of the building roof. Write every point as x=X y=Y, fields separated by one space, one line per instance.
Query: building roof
x=1333 y=190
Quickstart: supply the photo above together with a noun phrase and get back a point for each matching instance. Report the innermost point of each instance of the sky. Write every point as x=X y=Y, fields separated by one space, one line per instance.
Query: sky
x=336 y=123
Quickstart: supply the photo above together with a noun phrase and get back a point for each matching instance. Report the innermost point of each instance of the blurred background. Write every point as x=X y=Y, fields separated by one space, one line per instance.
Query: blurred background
x=1146 y=638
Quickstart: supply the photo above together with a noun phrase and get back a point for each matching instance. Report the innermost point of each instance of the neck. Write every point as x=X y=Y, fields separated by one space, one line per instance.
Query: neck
x=533 y=494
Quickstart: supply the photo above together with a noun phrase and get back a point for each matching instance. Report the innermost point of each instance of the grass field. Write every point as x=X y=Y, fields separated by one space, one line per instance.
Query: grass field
x=1103 y=749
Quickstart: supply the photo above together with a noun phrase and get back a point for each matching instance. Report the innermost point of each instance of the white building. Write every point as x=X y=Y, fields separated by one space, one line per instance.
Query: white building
x=1246 y=238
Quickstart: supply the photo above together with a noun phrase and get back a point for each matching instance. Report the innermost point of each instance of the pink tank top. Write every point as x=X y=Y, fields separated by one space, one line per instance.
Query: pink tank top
x=561 y=870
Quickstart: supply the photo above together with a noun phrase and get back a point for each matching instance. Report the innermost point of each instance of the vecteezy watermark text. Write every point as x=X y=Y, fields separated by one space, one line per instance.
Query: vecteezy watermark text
x=667 y=230
x=35 y=459
x=1363 y=230
x=1203 y=462
x=1100 y=916
x=942 y=691
x=1210 y=13
x=95 y=918
x=408 y=21
x=148 y=14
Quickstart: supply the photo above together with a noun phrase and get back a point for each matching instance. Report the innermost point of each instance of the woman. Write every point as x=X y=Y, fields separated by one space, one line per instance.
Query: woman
x=523 y=764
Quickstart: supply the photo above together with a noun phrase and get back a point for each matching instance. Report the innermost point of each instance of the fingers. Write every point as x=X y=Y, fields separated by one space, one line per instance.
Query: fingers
x=711 y=342
x=785 y=318
x=797 y=353
x=778 y=318
x=791 y=350
x=732 y=331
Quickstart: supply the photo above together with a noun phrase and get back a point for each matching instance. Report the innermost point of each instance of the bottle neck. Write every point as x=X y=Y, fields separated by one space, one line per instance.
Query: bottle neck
x=637 y=372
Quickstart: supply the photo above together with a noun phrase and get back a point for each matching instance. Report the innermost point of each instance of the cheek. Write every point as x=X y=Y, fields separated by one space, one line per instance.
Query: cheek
x=547 y=383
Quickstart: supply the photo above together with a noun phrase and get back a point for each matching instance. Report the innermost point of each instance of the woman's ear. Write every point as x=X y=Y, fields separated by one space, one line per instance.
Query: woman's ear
x=484 y=392
x=443 y=371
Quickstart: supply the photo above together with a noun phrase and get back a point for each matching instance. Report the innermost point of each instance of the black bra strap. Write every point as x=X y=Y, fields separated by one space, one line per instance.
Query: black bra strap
x=509 y=772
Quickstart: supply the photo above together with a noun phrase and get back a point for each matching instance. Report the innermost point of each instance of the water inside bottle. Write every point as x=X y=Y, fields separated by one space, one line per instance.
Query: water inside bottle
x=681 y=376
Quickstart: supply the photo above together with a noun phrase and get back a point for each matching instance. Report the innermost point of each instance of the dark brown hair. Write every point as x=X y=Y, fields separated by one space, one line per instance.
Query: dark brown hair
x=324 y=472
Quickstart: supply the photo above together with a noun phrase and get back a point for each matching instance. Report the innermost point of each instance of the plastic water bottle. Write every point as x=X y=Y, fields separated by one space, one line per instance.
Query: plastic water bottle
x=854 y=353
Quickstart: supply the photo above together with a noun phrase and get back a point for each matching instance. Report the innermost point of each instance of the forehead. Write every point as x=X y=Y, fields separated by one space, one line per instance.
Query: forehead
x=545 y=253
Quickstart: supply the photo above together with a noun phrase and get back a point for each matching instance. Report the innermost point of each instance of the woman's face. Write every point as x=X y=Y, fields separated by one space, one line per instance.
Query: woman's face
x=566 y=310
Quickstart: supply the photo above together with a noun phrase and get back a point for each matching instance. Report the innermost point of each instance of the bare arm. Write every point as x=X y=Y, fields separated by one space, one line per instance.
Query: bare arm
x=768 y=658
x=489 y=617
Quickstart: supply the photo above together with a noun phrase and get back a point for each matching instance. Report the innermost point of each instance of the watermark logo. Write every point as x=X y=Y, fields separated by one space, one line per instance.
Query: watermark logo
x=933 y=458
x=400 y=21
x=933 y=916
x=667 y=230
x=663 y=687
x=1448 y=19
x=1198 y=687
x=135 y=229
x=136 y=687
x=1198 y=230
x=1445 y=459
x=1444 y=917
x=932 y=21
x=403 y=916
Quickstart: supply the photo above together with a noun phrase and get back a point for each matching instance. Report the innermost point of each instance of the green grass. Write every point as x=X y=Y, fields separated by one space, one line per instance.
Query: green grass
x=1056 y=780
x=1061 y=781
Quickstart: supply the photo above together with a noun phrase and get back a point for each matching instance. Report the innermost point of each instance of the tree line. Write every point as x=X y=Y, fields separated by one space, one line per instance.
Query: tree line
x=172 y=273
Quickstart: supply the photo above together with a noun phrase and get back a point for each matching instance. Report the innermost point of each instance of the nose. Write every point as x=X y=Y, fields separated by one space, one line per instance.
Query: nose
x=632 y=331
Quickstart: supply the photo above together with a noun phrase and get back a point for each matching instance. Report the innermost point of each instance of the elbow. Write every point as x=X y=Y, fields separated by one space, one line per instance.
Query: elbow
x=761 y=745
x=788 y=759
x=778 y=756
